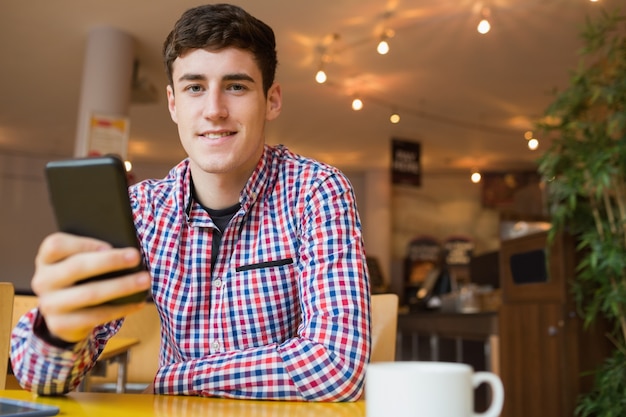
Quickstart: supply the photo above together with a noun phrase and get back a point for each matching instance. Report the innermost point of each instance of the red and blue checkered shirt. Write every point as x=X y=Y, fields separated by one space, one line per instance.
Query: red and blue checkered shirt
x=283 y=315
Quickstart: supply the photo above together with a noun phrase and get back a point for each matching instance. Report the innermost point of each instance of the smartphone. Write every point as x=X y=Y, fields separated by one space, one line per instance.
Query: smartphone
x=89 y=197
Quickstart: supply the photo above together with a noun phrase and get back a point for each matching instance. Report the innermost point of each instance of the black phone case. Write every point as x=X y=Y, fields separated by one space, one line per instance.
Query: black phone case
x=90 y=198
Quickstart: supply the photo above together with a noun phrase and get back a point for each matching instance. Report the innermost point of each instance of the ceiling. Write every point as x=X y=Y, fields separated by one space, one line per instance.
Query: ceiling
x=468 y=98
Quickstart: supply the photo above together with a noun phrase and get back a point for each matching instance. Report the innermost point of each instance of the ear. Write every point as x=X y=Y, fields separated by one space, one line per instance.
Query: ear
x=171 y=103
x=274 y=102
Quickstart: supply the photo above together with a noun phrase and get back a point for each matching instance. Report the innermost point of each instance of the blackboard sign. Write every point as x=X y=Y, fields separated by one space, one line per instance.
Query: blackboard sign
x=405 y=165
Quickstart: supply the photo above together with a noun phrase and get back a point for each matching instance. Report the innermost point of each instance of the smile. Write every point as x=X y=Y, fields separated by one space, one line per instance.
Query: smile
x=217 y=135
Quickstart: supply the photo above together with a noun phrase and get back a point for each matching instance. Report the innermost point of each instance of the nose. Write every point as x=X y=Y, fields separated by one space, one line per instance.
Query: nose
x=215 y=107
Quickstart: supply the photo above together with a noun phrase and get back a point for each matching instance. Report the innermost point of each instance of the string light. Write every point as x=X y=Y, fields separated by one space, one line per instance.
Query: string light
x=484 y=26
x=532 y=143
x=321 y=77
x=327 y=50
x=357 y=104
x=383 y=47
x=326 y=56
x=475 y=177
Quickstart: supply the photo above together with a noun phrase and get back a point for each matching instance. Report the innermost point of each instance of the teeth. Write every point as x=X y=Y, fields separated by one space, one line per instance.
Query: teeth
x=216 y=135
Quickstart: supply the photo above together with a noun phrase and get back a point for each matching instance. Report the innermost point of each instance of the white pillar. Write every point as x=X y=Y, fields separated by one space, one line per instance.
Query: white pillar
x=377 y=232
x=107 y=78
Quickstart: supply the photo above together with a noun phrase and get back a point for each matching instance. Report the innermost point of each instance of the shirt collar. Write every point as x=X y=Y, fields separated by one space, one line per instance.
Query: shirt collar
x=260 y=180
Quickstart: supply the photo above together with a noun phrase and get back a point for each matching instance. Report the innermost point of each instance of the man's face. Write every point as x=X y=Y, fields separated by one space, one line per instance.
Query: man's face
x=218 y=103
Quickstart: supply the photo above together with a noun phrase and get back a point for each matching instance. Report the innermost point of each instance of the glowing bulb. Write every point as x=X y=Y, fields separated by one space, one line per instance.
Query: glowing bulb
x=484 y=26
x=357 y=104
x=476 y=177
x=383 y=47
x=320 y=77
x=394 y=118
x=533 y=144
x=128 y=166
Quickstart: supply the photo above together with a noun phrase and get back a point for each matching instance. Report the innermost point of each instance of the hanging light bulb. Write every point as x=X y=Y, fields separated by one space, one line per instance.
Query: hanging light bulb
x=484 y=26
x=357 y=104
x=394 y=118
x=475 y=177
x=321 y=77
x=532 y=143
x=383 y=47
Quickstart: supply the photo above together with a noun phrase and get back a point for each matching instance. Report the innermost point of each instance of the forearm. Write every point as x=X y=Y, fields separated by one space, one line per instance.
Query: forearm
x=297 y=370
x=47 y=369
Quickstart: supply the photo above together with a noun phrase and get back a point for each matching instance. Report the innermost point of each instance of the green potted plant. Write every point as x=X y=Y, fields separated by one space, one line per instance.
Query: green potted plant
x=584 y=170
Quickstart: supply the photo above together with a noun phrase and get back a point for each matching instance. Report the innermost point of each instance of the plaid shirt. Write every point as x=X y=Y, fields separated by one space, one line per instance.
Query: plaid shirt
x=283 y=315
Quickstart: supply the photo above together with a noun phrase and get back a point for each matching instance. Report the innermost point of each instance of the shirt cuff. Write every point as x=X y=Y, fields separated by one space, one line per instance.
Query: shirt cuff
x=40 y=329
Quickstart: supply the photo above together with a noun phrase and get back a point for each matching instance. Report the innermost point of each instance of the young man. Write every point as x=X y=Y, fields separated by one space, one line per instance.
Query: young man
x=255 y=254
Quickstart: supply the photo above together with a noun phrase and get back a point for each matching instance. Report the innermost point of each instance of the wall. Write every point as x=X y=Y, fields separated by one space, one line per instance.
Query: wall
x=25 y=216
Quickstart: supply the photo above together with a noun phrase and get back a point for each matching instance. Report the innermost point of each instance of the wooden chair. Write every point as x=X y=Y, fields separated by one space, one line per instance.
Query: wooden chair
x=384 y=327
x=6 y=312
x=22 y=304
x=143 y=363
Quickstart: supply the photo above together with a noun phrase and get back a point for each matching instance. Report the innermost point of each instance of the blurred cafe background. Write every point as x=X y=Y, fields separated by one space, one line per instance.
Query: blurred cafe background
x=429 y=107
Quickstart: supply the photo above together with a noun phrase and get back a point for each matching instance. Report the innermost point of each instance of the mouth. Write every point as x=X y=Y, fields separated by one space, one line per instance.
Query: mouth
x=217 y=135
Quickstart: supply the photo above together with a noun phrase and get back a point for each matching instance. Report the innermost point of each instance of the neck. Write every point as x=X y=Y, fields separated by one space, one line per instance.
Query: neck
x=218 y=191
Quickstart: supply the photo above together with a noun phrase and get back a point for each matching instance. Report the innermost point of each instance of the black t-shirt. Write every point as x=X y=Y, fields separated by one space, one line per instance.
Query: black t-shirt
x=221 y=218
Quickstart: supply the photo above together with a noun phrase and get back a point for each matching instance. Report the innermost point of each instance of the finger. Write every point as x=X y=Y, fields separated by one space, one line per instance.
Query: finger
x=58 y=246
x=81 y=266
x=78 y=325
x=94 y=293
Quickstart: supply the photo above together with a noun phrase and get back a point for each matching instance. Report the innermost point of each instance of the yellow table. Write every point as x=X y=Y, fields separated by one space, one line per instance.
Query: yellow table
x=136 y=405
x=115 y=351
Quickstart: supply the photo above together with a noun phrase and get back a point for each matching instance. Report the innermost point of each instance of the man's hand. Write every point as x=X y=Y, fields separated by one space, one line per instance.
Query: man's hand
x=72 y=311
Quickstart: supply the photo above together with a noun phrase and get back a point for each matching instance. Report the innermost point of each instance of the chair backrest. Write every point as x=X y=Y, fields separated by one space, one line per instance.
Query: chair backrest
x=384 y=327
x=143 y=362
x=22 y=304
x=6 y=312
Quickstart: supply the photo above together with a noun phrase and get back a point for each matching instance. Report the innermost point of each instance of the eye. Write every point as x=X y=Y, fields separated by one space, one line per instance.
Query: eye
x=237 y=87
x=194 y=88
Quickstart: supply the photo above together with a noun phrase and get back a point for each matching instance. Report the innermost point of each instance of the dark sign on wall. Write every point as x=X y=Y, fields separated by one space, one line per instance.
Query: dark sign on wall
x=405 y=164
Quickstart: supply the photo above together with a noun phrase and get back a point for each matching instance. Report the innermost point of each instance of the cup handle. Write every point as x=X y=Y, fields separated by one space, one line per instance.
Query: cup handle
x=497 y=392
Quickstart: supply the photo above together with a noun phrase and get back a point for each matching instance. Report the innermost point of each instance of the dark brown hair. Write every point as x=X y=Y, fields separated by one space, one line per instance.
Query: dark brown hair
x=217 y=26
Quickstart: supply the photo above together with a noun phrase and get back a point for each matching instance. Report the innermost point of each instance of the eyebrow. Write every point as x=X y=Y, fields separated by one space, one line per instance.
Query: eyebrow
x=239 y=76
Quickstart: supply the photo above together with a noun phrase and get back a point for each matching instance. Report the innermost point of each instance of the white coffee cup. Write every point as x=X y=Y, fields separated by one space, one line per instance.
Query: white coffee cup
x=428 y=389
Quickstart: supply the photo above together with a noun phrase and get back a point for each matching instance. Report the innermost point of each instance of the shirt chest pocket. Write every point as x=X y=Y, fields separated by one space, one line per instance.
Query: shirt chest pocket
x=265 y=304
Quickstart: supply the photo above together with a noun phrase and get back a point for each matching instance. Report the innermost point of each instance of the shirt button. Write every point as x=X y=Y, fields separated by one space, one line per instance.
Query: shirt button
x=215 y=346
x=217 y=283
